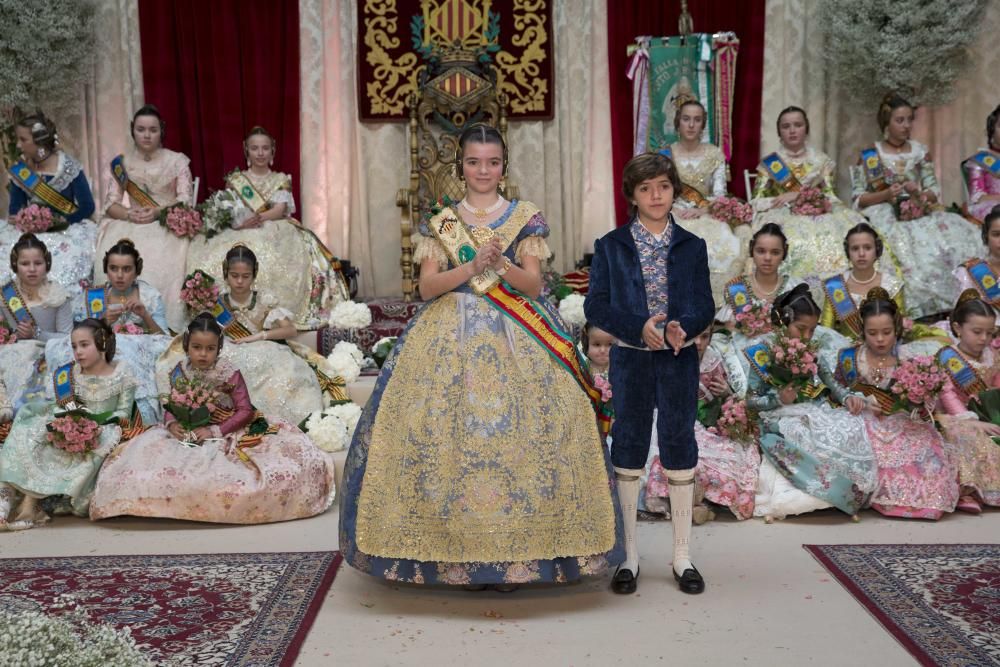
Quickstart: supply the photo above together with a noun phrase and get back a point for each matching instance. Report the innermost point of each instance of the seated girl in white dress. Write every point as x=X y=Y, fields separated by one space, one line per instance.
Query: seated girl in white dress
x=238 y=468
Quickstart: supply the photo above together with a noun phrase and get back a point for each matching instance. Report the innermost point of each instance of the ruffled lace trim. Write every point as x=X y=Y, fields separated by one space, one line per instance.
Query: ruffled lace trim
x=51 y=295
x=532 y=246
x=95 y=388
x=69 y=168
x=429 y=248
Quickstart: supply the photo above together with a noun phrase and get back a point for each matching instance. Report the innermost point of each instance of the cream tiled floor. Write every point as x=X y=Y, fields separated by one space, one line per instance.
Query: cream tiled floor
x=768 y=601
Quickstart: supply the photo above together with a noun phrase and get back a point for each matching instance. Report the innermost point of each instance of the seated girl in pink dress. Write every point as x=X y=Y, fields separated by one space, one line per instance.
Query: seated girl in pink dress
x=971 y=368
x=239 y=468
x=982 y=171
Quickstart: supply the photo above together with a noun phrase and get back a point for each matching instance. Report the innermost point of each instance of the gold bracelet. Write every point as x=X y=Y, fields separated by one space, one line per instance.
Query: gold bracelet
x=506 y=267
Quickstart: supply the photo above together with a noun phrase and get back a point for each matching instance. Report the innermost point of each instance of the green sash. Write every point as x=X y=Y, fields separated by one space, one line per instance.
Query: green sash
x=241 y=185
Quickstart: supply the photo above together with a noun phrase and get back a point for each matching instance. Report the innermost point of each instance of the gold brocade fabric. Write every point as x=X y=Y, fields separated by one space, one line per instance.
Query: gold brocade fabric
x=483 y=449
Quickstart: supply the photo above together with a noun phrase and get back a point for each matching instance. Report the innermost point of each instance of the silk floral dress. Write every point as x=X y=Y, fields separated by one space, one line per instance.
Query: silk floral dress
x=294 y=264
x=167 y=179
x=980 y=183
x=477 y=459
x=240 y=477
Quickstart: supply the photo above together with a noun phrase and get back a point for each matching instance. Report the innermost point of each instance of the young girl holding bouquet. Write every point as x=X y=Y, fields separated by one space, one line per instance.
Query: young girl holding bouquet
x=728 y=457
x=970 y=366
x=216 y=458
x=815 y=456
x=57 y=448
x=894 y=391
x=285 y=378
x=34 y=309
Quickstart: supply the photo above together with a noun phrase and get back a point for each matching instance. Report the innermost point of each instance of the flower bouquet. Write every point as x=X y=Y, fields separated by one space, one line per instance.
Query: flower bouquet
x=986 y=405
x=127 y=328
x=603 y=385
x=793 y=361
x=37 y=219
x=333 y=428
x=7 y=335
x=191 y=401
x=182 y=221
x=731 y=210
x=75 y=432
x=811 y=201
x=381 y=349
x=221 y=211
x=736 y=422
x=916 y=383
x=571 y=310
x=913 y=207
x=344 y=361
x=754 y=319
x=200 y=292
x=350 y=315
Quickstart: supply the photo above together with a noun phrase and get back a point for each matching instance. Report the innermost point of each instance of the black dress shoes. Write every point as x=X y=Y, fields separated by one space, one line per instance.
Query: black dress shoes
x=689 y=582
x=624 y=582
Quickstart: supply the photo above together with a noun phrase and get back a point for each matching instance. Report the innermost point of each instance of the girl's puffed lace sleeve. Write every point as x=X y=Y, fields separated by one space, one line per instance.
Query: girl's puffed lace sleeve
x=428 y=247
x=531 y=240
x=275 y=313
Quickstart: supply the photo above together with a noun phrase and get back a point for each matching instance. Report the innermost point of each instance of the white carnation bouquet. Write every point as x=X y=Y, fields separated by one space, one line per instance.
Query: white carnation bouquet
x=345 y=360
x=332 y=428
x=350 y=315
x=571 y=310
x=221 y=211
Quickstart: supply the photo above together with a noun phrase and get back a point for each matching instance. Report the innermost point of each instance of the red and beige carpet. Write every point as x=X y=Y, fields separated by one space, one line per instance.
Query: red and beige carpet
x=205 y=609
x=940 y=601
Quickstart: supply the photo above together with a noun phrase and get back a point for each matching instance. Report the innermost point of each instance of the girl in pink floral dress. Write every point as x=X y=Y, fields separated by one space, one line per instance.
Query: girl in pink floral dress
x=971 y=368
x=240 y=468
x=916 y=478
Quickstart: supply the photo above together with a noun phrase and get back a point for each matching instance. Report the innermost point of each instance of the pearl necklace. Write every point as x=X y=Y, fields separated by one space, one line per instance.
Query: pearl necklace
x=482 y=213
x=863 y=282
x=758 y=288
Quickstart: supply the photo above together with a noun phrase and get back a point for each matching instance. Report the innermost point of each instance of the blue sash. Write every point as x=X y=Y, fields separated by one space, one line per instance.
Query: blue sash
x=737 y=295
x=984 y=278
x=230 y=325
x=135 y=193
x=62 y=383
x=985 y=159
x=666 y=152
x=30 y=182
x=15 y=303
x=759 y=356
x=95 y=301
x=843 y=304
x=874 y=171
x=779 y=172
x=847 y=372
x=960 y=370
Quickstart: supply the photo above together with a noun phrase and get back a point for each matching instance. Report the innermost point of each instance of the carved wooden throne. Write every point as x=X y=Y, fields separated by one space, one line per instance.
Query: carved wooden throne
x=456 y=88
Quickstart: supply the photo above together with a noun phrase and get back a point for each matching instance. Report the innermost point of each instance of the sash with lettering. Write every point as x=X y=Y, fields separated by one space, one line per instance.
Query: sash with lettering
x=759 y=356
x=15 y=303
x=22 y=175
x=960 y=371
x=461 y=248
x=985 y=280
x=135 y=193
x=687 y=193
x=737 y=295
x=843 y=303
x=231 y=326
x=874 y=171
x=988 y=161
x=779 y=172
x=847 y=372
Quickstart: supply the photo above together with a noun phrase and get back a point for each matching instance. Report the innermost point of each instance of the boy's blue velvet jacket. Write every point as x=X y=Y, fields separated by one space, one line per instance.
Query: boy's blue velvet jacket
x=616 y=298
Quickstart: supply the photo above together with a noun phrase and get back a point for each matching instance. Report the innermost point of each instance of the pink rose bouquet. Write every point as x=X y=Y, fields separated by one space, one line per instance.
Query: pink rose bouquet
x=7 y=335
x=37 y=219
x=602 y=384
x=73 y=433
x=192 y=401
x=916 y=383
x=811 y=201
x=200 y=291
x=736 y=422
x=754 y=319
x=731 y=210
x=127 y=328
x=793 y=360
x=182 y=221
x=914 y=207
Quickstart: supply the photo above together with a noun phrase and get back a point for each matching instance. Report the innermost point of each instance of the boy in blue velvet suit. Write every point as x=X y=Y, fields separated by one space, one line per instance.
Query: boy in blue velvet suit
x=649 y=287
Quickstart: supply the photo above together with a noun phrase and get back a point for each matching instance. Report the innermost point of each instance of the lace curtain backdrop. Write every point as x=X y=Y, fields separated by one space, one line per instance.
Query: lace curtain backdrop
x=796 y=73
x=96 y=129
x=351 y=171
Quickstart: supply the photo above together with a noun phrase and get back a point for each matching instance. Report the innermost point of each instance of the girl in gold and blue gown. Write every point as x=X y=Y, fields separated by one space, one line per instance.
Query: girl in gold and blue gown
x=477 y=460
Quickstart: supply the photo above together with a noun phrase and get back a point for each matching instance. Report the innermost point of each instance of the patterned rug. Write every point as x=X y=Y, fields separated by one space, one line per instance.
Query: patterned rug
x=940 y=601
x=206 y=609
